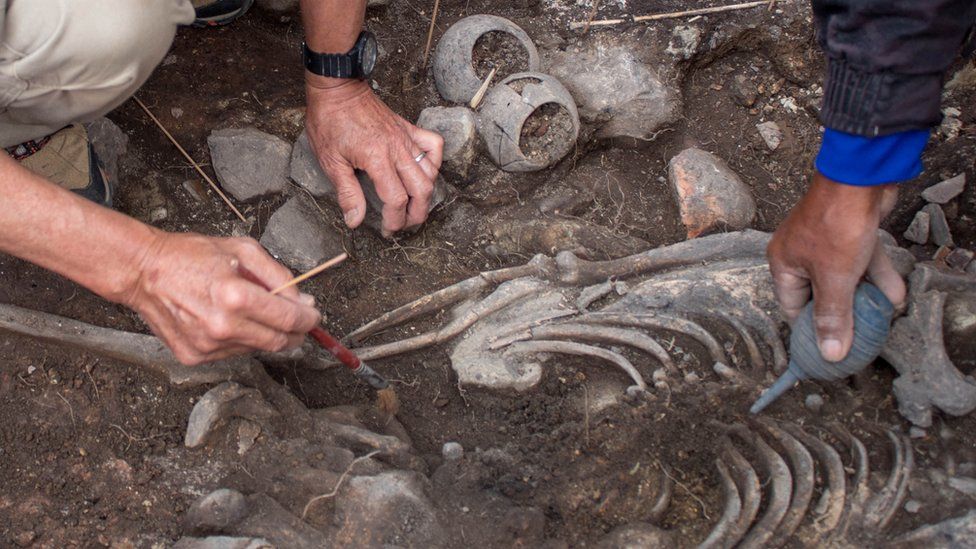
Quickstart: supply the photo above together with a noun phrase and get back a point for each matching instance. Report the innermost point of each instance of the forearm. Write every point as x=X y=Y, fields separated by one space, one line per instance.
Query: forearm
x=60 y=231
x=331 y=26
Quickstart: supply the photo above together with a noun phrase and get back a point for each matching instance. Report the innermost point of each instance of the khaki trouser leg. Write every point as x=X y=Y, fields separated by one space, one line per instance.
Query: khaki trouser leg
x=68 y=61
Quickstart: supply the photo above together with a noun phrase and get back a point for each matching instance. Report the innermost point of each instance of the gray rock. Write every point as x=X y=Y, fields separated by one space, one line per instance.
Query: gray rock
x=709 y=194
x=298 y=235
x=917 y=432
x=965 y=485
x=216 y=511
x=306 y=171
x=220 y=404
x=110 y=144
x=918 y=230
x=609 y=81
x=685 y=40
x=249 y=163
x=771 y=134
x=744 y=90
x=814 y=403
x=959 y=258
x=637 y=535
x=956 y=532
x=943 y=192
x=939 y=231
x=222 y=542
x=452 y=451
x=373 y=510
x=457 y=125
x=885 y=238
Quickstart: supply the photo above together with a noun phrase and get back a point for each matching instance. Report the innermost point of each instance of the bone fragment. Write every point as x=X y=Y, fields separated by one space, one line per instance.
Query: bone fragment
x=718 y=538
x=570 y=348
x=882 y=507
x=665 y=490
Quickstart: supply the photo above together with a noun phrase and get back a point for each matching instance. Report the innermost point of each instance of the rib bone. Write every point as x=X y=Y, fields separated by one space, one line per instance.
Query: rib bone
x=723 y=530
x=664 y=322
x=567 y=347
x=780 y=485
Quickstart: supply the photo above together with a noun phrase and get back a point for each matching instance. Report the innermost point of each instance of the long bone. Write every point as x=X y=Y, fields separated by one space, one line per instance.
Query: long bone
x=593 y=334
x=661 y=321
x=570 y=348
x=830 y=507
x=719 y=537
x=780 y=485
x=802 y=467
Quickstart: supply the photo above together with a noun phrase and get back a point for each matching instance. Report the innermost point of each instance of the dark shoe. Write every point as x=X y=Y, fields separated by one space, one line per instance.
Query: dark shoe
x=67 y=159
x=211 y=13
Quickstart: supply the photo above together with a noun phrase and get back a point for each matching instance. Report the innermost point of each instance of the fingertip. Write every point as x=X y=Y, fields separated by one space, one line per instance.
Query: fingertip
x=354 y=216
x=832 y=350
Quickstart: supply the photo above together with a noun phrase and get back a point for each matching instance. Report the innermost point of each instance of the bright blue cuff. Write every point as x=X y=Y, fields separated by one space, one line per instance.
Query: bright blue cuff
x=866 y=161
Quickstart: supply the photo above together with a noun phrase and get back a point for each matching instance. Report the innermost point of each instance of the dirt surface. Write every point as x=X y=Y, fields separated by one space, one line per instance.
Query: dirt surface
x=549 y=124
x=87 y=444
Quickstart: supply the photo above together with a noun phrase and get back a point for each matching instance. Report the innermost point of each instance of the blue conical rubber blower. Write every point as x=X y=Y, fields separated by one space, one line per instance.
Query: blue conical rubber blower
x=872 y=322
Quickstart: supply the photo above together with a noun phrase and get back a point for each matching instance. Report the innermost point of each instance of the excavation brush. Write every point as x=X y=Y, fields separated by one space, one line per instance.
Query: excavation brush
x=387 y=400
x=872 y=322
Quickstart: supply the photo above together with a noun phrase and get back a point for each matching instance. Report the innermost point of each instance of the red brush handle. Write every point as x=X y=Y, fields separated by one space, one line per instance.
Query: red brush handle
x=325 y=339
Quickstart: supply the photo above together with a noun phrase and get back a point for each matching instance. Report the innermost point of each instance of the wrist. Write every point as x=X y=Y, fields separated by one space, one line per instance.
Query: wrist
x=322 y=91
x=848 y=204
x=128 y=282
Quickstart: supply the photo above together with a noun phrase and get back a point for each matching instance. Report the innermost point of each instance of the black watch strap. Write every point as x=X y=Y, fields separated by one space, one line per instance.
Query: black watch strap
x=332 y=65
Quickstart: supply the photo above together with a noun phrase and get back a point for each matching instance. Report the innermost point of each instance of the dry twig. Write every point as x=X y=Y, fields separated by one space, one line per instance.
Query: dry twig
x=430 y=33
x=338 y=484
x=591 y=16
x=671 y=15
x=203 y=174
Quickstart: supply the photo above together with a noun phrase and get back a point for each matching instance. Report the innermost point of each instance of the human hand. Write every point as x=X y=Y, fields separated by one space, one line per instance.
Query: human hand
x=192 y=295
x=827 y=244
x=350 y=128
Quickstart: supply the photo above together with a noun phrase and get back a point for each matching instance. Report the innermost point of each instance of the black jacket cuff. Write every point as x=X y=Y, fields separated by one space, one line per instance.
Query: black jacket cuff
x=879 y=103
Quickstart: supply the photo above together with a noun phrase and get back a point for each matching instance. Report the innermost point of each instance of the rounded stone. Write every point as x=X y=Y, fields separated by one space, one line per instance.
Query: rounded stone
x=452 y=451
x=216 y=511
x=814 y=403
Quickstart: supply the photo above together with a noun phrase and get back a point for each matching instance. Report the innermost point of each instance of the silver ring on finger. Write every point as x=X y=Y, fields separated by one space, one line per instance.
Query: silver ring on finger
x=420 y=157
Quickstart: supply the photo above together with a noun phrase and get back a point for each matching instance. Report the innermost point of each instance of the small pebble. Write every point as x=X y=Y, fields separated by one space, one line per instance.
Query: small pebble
x=660 y=375
x=158 y=214
x=452 y=451
x=917 y=432
x=814 y=403
x=912 y=506
x=692 y=378
x=31 y=369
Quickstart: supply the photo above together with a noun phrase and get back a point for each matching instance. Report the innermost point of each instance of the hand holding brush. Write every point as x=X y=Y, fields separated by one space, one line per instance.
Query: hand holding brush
x=387 y=400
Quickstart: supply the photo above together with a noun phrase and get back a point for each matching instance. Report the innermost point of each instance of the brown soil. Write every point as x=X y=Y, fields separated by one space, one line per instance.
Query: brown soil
x=501 y=51
x=550 y=125
x=87 y=445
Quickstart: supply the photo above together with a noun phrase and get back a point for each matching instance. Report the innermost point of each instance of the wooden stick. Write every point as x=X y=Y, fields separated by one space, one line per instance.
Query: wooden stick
x=671 y=15
x=592 y=16
x=190 y=160
x=476 y=100
x=301 y=278
x=430 y=33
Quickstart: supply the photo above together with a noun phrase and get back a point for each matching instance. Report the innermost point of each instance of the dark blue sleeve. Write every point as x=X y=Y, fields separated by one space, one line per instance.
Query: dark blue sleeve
x=864 y=161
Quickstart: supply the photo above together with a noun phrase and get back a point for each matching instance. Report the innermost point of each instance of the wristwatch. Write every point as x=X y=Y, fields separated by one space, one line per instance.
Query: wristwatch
x=358 y=63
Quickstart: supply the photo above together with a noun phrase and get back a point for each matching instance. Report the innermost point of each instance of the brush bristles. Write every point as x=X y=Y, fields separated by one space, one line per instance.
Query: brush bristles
x=387 y=402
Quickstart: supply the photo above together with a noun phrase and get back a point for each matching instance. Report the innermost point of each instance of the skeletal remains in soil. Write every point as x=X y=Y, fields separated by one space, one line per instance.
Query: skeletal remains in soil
x=811 y=483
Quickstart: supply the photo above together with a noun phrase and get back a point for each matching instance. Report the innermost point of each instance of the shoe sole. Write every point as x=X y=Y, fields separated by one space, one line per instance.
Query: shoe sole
x=223 y=19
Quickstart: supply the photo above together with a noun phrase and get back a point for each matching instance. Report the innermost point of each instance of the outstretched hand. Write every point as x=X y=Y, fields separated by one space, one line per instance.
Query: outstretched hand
x=350 y=128
x=827 y=244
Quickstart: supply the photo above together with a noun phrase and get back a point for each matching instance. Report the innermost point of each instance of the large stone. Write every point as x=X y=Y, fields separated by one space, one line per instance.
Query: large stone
x=943 y=192
x=939 y=231
x=110 y=144
x=249 y=163
x=308 y=173
x=918 y=230
x=457 y=125
x=216 y=511
x=300 y=236
x=386 y=509
x=709 y=194
x=610 y=84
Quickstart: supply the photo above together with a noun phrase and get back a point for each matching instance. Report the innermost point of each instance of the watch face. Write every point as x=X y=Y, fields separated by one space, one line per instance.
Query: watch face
x=368 y=55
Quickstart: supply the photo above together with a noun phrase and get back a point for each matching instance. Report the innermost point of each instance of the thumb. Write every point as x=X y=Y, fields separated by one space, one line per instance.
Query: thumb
x=349 y=194
x=882 y=273
x=833 y=302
